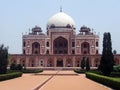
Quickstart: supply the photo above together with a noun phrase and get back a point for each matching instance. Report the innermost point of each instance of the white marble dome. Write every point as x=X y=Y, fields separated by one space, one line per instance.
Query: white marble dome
x=61 y=19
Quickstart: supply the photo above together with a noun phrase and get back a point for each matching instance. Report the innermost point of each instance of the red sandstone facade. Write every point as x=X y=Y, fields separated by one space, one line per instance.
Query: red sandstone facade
x=60 y=46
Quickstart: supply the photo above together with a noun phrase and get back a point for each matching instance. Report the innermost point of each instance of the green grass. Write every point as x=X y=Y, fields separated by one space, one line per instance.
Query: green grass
x=116 y=79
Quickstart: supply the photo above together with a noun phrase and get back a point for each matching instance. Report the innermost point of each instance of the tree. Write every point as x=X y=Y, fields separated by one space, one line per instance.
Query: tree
x=3 y=59
x=13 y=66
x=107 y=62
x=114 y=52
x=19 y=67
x=83 y=63
x=87 y=65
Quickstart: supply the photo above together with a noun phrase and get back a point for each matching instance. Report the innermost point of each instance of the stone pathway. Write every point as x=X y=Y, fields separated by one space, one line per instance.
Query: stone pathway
x=26 y=82
x=52 y=80
x=68 y=80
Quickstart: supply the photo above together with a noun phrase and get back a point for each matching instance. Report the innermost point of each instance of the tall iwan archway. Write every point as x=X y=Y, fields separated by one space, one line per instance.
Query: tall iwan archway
x=85 y=48
x=60 y=46
x=35 y=48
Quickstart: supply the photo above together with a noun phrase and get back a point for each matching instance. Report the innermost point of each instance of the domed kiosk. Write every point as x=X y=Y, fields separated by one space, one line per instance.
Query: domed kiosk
x=61 y=19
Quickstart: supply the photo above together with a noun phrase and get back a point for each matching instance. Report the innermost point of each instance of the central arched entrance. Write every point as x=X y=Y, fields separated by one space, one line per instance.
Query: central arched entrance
x=60 y=46
x=59 y=63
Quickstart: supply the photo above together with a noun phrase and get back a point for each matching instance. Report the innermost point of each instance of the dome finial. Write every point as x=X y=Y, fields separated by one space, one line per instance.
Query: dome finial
x=60 y=8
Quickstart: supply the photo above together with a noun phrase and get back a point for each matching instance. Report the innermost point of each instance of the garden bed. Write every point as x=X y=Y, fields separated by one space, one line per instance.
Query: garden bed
x=27 y=71
x=80 y=71
x=32 y=71
x=10 y=76
x=109 y=81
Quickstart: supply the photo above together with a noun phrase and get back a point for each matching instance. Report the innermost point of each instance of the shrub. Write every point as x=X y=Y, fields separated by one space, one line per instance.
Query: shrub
x=10 y=76
x=83 y=63
x=32 y=71
x=13 y=66
x=87 y=65
x=79 y=71
x=16 y=67
x=19 y=67
x=109 y=81
x=115 y=74
x=116 y=68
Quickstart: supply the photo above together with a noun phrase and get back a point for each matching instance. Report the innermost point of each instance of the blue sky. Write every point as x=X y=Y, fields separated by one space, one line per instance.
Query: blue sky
x=17 y=16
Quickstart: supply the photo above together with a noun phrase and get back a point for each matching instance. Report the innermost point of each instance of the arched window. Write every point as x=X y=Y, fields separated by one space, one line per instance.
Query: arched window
x=23 y=51
x=24 y=44
x=73 y=44
x=96 y=51
x=73 y=51
x=47 y=44
x=96 y=44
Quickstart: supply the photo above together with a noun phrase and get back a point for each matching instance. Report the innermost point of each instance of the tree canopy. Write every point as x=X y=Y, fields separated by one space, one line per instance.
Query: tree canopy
x=3 y=59
x=107 y=59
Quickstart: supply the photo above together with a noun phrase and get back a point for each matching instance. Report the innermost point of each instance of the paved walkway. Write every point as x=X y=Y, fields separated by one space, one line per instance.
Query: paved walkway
x=26 y=82
x=52 y=80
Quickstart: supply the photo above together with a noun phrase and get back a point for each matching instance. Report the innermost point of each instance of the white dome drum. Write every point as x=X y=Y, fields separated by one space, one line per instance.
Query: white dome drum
x=61 y=19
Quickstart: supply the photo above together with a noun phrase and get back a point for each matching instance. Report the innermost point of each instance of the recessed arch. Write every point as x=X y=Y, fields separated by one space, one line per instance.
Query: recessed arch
x=78 y=62
x=59 y=62
x=96 y=62
x=60 y=46
x=69 y=62
x=31 y=62
x=35 y=48
x=85 y=48
x=22 y=62
x=50 y=63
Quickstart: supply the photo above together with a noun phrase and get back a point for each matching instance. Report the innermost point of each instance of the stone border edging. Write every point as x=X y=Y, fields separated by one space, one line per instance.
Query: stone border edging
x=39 y=86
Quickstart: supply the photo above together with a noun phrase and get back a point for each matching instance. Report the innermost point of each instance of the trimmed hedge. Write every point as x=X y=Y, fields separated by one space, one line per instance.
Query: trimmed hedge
x=109 y=81
x=84 y=71
x=116 y=68
x=10 y=76
x=32 y=71
x=79 y=71
x=26 y=71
